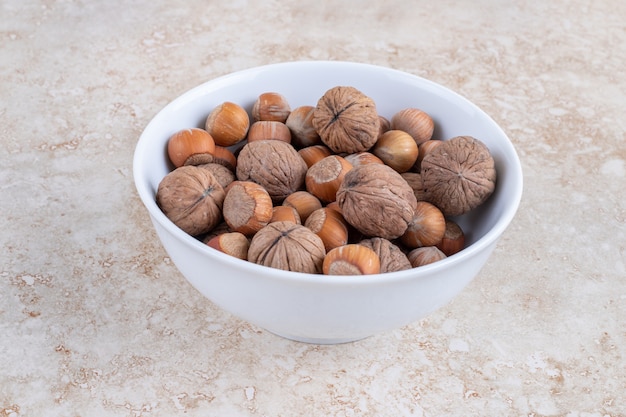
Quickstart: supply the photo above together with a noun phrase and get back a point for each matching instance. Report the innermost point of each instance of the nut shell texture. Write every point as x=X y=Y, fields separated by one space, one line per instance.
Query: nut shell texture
x=377 y=201
x=287 y=246
x=192 y=199
x=346 y=120
x=391 y=256
x=273 y=164
x=458 y=175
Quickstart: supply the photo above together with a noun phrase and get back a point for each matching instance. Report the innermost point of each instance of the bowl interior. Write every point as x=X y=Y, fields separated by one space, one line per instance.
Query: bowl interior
x=303 y=83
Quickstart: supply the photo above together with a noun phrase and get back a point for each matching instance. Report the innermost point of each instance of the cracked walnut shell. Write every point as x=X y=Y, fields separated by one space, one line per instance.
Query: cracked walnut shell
x=287 y=246
x=377 y=201
x=458 y=175
x=346 y=120
x=192 y=198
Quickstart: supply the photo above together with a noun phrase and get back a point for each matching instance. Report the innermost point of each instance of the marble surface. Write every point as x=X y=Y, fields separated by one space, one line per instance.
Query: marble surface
x=96 y=321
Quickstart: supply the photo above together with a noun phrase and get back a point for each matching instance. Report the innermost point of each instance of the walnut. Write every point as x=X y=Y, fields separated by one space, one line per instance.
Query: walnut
x=273 y=164
x=377 y=201
x=346 y=120
x=415 y=181
x=391 y=256
x=222 y=174
x=192 y=199
x=287 y=246
x=458 y=175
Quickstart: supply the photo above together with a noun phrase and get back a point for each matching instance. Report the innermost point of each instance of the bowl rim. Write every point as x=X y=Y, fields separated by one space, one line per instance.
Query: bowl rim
x=489 y=238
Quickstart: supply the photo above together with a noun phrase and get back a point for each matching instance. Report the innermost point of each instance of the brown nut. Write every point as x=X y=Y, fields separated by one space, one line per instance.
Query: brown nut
x=313 y=154
x=228 y=124
x=458 y=175
x=300 y=123
x=385 y=125
x=330 y=226
x=324 y=177
x=271 y=106
x=285 y=214
x=396 y=149
x=425 y=255
x=351 y=259
x=363 y=158
x=346 y=120
x=415 y=122
x=304 y=202
x=222 y=174
x=232 y=243
x=190 y=142
x=247 y=207
x=287 y=246
x=426 y=228
x=192 y=199
x=453 y=239
x=415 y=182
x=274 y=164
x=269 y=130
x=391 y=256
x=377 y=201
x=425 y=149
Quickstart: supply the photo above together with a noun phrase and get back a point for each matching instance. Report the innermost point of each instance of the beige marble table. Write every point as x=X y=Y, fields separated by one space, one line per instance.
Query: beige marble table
x=96 y=321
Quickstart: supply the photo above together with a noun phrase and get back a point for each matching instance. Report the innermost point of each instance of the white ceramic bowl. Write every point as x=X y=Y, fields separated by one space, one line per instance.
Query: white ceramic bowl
x=316 y=308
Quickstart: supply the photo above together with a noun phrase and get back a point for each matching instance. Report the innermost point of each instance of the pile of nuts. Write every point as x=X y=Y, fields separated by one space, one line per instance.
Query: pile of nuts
x=334 y=188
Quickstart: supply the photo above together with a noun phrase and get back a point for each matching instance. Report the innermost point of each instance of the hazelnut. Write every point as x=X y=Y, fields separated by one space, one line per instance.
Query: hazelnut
x=363 y=158
x=330 y=226
x=232 y=243
x=396 y=149
x=287 y=246
x=190 y=142
x=391 y=256
x=304 y=202
x=274 y=164
x=424 y=256
x=458 y=175
x=324 y=177
x=228 y=124
x=346 y=120
x=222 y=227
x=300 y=123
x=351 y=259
x=285 y=214
x=271 y=106
x=415 y=122
x=425 y=149
x=453 y=239
x=269 y=130
x=221 y=155
x=377 y=201
x=312 y=154
x=192 y=199
x=247 y=207
x=426 y=228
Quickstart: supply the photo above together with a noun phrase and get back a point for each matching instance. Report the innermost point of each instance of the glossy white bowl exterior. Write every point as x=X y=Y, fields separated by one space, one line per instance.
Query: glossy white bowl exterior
x=317 y=308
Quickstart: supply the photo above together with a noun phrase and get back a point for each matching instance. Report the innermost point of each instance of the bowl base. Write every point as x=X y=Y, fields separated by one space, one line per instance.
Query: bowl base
x=319 y=341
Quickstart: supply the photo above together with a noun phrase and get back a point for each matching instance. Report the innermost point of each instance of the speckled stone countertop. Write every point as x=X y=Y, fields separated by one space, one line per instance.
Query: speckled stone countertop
x=96 y=321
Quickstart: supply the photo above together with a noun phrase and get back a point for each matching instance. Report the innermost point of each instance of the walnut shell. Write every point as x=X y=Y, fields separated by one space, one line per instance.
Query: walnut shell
x=346 y=120
x=288 y=246
x=391 y=256
x=192 y=199
x=458 y=175
x=377 y=201
x=273 y=164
